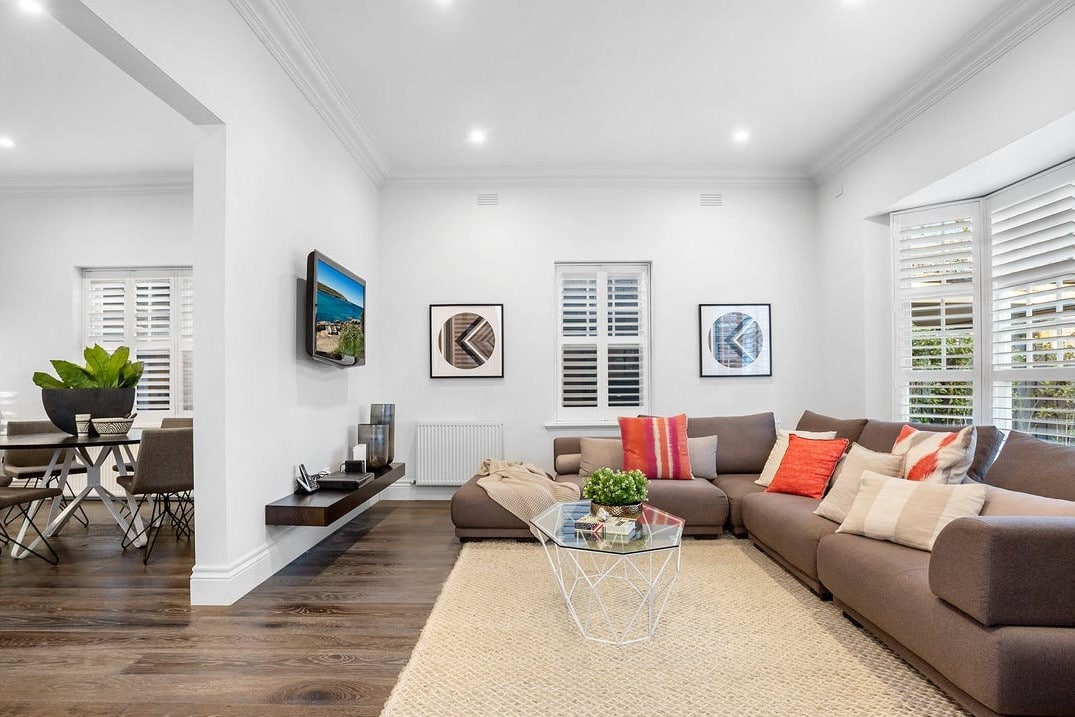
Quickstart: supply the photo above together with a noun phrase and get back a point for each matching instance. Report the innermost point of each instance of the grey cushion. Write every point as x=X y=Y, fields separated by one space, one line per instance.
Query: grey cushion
x=1031 y=465
x=787 y=524
x=735 y=486
x=849 y=428
x=745 y=441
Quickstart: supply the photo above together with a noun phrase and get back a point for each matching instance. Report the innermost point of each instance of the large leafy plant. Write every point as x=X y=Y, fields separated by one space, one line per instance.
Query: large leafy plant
x=610 y=487
x=102 y=370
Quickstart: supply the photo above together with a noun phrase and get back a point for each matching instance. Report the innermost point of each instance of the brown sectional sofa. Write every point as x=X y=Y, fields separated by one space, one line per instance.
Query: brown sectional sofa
x=988 y=615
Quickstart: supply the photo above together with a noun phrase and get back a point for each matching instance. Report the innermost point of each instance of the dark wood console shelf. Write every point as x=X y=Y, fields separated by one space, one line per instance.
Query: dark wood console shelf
x=325 y=507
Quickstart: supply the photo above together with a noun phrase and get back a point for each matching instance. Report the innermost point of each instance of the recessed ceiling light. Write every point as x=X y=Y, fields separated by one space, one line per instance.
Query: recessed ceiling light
x=741 y=135
x=31 y=6
x=477 y=136
x=7 y=142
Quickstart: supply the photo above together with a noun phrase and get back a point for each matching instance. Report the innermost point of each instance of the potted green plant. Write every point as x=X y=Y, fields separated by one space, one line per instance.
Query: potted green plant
x=103 y=387
x=619 y=493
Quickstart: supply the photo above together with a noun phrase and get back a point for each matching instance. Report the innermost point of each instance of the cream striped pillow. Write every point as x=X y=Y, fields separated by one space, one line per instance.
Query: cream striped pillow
x=908 y=512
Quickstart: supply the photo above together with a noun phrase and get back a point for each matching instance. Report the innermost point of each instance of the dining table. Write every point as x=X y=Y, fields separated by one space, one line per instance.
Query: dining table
x=93 y=452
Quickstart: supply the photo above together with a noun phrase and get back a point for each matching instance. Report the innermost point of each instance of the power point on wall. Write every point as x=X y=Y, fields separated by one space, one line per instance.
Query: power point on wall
x=839 y=191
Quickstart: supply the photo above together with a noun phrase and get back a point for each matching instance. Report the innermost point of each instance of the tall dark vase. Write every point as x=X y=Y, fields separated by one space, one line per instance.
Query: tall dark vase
x=61 y=404
x=386 y=413
x=375 y=437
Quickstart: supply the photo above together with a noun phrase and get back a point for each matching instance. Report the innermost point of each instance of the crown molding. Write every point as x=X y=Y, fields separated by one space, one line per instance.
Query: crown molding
x=280 y=31
x=990 y=40
x=598 y=176
x=96 y=185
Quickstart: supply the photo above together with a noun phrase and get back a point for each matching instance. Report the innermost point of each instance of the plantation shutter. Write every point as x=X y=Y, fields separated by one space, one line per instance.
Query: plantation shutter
x=151 y=311
x=1033 y=305
x=602 y=340
x=935 y=320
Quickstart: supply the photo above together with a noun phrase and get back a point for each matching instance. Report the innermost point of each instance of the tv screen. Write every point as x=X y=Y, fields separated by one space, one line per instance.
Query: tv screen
x=336 y=298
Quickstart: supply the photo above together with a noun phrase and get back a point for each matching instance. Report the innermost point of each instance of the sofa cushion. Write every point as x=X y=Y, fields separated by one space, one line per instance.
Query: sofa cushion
x=568 y=463
x=780 y=448
x=845 y=482
x=472 y=507
x=849 y=428
x=735 y=486
x=787 y=525
x=703 y=450
x=599 y=453
x=697 y=501
x=936 y=457
x=807 y=466
x=908 y=512
x=881 y=436
x=745 y=441
x=1000 y=501
x=1032 y=465
x=657 y=446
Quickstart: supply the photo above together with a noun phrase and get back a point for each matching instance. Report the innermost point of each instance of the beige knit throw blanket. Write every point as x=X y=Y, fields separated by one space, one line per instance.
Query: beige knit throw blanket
x=523 y=489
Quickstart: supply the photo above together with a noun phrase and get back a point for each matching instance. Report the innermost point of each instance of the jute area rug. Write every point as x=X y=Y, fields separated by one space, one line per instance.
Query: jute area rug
x=739 y=637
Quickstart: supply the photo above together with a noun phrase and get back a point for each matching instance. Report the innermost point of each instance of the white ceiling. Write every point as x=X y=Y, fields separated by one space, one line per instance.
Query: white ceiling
x=72 y=113
x=622 y=84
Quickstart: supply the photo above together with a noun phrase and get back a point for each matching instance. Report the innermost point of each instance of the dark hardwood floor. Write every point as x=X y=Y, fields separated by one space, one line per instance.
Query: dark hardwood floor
x=101 y=634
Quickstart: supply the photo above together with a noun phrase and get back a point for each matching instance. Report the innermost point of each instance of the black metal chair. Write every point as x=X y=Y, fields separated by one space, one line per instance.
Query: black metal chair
x=26 y=502
x=163 y=475
x=28 y=465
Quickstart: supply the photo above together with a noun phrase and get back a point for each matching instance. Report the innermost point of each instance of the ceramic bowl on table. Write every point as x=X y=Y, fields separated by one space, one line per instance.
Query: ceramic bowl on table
x=112 y=426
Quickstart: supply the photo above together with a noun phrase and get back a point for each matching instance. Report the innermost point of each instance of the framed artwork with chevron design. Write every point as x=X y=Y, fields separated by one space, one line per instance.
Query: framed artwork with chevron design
x=735 y=339
x=466 y=341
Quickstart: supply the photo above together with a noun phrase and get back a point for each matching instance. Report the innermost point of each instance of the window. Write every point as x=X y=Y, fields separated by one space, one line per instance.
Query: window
x=985 y=296
x=602 y=341
x=935 y=305
x=152 y=312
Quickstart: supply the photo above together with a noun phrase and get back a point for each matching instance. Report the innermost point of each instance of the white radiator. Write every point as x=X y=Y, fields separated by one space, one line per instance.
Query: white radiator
x=450 y=452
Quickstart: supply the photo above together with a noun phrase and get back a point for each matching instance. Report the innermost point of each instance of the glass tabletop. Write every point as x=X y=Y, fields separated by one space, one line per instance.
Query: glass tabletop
x=653 y=530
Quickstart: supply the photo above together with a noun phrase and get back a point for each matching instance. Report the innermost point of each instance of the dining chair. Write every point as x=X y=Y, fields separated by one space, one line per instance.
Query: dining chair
x=28 y=465
x=26 y=502
x=164 y=476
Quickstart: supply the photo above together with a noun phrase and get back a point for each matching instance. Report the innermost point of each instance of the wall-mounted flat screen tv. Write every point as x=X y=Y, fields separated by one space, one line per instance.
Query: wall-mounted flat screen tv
x=336 y=312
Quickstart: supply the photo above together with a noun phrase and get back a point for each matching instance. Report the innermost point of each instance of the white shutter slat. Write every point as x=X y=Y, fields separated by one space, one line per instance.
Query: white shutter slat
x=153 y=309
x=935 y=253
x=579 y=376
x=106 y=311
x=154 y=391
x=578 y=305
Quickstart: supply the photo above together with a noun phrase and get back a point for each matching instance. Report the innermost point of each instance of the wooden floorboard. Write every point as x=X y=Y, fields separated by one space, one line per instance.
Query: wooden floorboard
x=101 y=634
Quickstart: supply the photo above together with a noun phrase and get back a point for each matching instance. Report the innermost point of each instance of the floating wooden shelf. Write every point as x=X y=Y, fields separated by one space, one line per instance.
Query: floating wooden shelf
x=325 y=507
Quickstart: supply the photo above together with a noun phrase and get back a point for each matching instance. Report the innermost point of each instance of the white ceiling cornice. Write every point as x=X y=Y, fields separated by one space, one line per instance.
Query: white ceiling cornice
x=599 y=176
x=994 y=37
x=97 y=185
x=280 y=31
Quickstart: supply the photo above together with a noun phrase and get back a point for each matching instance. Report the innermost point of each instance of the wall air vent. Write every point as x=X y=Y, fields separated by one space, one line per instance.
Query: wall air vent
x=490 y=199
x=712 y=200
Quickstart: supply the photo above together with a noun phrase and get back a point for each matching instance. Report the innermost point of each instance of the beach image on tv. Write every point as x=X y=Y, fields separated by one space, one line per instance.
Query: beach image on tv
x=341 y=317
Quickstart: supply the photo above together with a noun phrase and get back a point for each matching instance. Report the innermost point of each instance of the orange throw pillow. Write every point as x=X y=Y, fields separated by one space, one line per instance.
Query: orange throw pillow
x=807 y=466
x=656 y=446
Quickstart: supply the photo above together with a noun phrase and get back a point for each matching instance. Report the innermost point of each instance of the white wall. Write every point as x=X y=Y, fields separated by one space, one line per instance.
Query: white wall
x=288 y=186
x=44 y=241
x=438 y=246
x=1009 y=99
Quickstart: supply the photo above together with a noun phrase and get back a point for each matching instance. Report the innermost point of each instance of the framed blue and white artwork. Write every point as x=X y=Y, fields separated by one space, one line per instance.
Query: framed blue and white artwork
x=735 y=339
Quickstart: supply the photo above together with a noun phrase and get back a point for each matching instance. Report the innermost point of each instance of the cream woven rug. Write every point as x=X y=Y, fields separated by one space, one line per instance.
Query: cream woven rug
x=740 y=637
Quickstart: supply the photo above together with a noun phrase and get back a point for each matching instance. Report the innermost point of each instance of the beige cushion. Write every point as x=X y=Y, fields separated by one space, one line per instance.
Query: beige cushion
x=781 y=447
x=999 y=501
x=600 y=453
x=910 y=513
x=845 y=482
x=568 y=463
x=703 y=452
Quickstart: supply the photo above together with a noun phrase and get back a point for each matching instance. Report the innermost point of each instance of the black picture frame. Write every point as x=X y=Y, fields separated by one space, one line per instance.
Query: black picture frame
x=735 y=340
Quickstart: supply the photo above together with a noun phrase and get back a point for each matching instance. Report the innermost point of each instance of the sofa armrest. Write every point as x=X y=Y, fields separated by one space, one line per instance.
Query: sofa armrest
x=1007 y=570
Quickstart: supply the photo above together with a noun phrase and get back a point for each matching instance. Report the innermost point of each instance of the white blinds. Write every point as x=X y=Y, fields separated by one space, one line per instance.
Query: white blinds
x=1033 y=305
x=935 y=313
x=152 y=312
x=602 y=339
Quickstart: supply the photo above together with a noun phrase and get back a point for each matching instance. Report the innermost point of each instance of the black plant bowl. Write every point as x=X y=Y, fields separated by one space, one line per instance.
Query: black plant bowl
x=61 y=404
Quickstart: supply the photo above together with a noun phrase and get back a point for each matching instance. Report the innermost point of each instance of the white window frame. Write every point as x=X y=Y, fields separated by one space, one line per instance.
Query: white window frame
x=602 y=414
x=178 y=339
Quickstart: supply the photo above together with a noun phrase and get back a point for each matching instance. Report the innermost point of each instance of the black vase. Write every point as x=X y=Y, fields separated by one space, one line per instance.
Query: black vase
x=386 y=413
x=61 y=404
x=375 y=438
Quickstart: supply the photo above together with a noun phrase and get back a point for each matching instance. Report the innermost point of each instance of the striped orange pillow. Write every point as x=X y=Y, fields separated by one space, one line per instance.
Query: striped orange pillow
x=935 y=457
x=656 y=446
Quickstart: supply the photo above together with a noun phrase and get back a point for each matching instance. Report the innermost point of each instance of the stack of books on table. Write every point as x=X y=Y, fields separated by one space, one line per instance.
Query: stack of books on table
x=620 y=529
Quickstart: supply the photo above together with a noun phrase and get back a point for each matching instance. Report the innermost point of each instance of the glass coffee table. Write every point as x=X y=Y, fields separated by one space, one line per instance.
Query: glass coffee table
x=616 y=587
